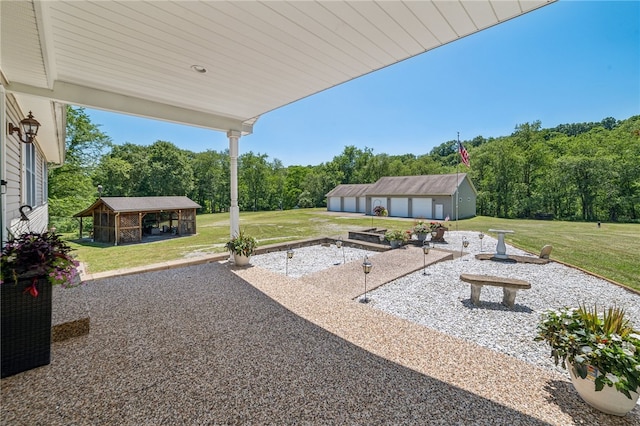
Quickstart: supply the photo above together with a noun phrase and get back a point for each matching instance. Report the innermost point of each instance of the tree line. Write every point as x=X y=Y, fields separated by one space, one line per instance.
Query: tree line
x=583 y=171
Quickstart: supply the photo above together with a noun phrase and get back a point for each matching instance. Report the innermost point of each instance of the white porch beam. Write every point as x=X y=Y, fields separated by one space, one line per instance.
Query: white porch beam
x=75 y=94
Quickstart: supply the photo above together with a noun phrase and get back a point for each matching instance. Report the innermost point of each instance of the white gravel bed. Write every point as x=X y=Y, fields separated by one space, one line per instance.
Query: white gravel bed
x=310 y=259
x=441 y=301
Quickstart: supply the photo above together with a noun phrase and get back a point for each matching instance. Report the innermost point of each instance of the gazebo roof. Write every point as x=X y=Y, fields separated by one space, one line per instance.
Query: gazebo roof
x=140 y=204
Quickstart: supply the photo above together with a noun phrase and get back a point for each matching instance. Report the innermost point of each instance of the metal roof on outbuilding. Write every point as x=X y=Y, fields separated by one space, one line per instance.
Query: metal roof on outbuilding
x=350 y=190
x=141 y=204
x=419 y=185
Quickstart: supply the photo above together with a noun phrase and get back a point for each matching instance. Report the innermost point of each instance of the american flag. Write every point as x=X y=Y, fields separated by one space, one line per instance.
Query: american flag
x=464 y=155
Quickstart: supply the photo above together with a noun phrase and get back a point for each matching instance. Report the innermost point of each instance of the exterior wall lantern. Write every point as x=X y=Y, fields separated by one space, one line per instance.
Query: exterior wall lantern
x=28 y=127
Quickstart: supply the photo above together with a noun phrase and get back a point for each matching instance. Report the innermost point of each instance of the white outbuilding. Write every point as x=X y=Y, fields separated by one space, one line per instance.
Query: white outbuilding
x=426 y=196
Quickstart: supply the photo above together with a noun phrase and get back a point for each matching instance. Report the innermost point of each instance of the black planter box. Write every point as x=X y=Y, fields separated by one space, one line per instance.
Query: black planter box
x=26 y=326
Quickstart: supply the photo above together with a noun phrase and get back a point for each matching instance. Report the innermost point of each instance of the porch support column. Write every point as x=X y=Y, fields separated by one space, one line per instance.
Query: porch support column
x=234 y=211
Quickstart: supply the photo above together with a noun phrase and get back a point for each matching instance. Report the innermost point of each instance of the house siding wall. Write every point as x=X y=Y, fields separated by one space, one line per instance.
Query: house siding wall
x=13 y=166
x=466 y=201
x=445 y=200
x=14 y=169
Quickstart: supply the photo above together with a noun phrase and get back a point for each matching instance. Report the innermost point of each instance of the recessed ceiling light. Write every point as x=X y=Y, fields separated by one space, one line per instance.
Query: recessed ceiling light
x=199 y=69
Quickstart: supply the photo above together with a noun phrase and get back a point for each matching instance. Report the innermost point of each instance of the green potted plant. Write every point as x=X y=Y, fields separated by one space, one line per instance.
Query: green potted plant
x=242 y=247
x=396 y=238
x=601 y=352
x=31 y=264
x=421 y=229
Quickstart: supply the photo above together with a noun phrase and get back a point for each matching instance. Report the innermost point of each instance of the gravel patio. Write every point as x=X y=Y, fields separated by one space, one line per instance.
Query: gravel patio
x=214 y=344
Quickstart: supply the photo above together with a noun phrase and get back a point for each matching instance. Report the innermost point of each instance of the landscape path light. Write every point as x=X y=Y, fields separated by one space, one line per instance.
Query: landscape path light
x=289 y=256
x=340 y=246
x=465 y=244
x=425 y=252
x=481 y=236
x=366 y=268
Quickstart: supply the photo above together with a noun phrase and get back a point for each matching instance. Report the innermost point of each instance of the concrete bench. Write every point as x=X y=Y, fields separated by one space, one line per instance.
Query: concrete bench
x=510 y=286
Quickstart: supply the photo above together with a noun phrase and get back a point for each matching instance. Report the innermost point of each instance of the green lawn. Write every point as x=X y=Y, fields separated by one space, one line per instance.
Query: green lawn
x=611 y=251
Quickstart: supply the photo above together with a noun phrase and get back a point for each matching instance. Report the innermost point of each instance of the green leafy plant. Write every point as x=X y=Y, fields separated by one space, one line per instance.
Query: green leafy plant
x=38 y=255
x=421 y=227
x=607 y=342
x=395 y=235
x=242 y=244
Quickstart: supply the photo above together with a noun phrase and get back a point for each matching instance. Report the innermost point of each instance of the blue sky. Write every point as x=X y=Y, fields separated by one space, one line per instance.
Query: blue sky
x=572 y=61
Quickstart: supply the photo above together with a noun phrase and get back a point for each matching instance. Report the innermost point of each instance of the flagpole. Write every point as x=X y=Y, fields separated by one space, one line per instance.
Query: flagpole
x=457 y=185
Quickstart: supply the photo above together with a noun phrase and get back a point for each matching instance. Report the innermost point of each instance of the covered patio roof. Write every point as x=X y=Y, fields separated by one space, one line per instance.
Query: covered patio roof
x=138 y=57
x=213 y=64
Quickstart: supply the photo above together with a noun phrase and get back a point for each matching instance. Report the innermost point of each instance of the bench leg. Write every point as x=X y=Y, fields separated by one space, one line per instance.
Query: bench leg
x=475 y=294
x=509 y=296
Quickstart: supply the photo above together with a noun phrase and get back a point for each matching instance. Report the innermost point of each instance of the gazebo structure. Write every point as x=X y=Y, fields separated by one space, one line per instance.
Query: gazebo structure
x=120 y=220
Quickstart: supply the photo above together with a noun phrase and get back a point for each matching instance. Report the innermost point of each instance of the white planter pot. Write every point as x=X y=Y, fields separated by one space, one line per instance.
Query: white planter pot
x=608 y=400
x=395 y=243
x=240 y=260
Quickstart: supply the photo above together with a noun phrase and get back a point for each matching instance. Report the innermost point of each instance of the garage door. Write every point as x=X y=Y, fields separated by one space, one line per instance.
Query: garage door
x=399 y=207
x=349 y=204
x=334 y=204
x=362 y=205
x=422 y=207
